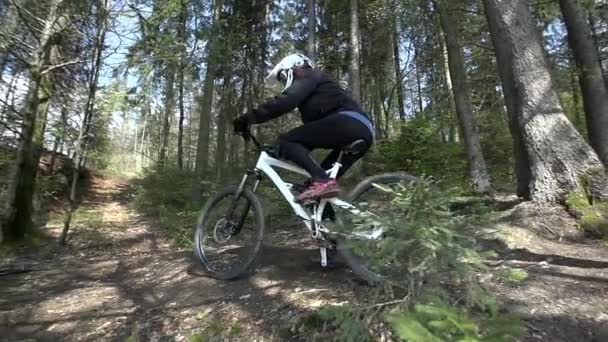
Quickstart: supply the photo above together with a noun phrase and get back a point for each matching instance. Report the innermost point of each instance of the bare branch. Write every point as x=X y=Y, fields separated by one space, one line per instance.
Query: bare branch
x=14 y=131
x=17 y=40
x=26 y=11
x=11 y=108
x=20 y=12
x=61 y=65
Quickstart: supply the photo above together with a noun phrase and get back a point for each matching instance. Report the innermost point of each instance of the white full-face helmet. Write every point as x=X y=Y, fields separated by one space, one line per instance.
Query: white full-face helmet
x=283 y=71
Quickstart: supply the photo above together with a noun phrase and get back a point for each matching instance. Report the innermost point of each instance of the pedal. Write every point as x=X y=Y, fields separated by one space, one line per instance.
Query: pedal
x=323 y=256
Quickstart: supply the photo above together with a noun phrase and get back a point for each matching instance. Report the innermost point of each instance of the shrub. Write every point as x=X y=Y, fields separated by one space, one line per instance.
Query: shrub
x=439 y=321
x=171 y=195
x=434 y=265
x=169 y=187
x=420 y=151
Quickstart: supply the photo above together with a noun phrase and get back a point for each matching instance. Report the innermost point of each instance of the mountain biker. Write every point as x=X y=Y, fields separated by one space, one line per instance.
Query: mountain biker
x=332 y=119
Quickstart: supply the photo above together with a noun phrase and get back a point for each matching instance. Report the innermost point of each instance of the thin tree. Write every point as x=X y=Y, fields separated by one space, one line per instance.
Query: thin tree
x=85 y=125
x=398 y=71
x=594 y=89
x=169 y=108
x=355 y=51
x=558 y=157
x=312 y=27
x=205 y=101
x=181 y=30
x=462 y=98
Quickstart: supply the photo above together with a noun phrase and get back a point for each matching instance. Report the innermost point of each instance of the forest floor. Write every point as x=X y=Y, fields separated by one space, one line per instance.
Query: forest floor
x=121 y=279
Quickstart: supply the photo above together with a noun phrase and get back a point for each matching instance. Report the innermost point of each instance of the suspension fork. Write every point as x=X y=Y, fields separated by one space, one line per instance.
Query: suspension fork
x=237 y=195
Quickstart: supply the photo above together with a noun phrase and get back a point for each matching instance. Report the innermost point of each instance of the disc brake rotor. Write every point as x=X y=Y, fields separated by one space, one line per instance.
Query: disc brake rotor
x=222 y=232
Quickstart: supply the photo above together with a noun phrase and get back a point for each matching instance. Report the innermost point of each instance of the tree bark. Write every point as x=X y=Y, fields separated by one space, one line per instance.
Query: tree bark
x=142 y=145
x=398 y=73
x=355 y=51
x=18 y=220
x=418 y=79
x=169 y=108
x=312 y=27
x=183 y=18
x=205 y=101
x=462 y=98
x=575 y=88
x=594 y=89
x=220 y=150
x=596 y=41
x=557 y=154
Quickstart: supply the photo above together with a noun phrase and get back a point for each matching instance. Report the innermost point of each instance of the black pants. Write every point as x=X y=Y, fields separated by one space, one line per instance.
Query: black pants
x=332 y=132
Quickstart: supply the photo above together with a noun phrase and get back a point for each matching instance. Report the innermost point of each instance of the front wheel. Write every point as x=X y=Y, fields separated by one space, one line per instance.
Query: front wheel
x=229 y=233
x=364 y=245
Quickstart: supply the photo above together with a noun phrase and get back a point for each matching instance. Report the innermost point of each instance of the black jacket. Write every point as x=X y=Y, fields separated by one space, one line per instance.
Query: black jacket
x=313 y=93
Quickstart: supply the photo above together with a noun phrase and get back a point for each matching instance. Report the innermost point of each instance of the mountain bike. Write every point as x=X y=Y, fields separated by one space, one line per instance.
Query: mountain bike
x=231 y=226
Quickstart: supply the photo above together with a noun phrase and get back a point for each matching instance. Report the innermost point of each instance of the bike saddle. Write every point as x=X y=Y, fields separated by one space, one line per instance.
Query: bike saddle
x=356 y=147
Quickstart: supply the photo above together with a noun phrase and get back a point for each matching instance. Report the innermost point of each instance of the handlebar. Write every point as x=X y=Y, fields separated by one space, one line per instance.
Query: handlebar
x=248 y=136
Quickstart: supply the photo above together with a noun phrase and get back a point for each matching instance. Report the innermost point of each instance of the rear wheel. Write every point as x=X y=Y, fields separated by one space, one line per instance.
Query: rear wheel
x=363 y=244
x=229 y=233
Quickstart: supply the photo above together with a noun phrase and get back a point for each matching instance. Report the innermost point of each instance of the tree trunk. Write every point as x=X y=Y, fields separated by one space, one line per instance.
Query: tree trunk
x=355 y=51
x=312 y=27
x=462 y=99
x=142 y=144
x=220 y=150
x=398 y=73
x=206 y=99
x=169 y=108
x=418 y=79
x=81 y=142
x=596 y=41
x=520 y=156
x=59 y=137
x=594 y=89
x=183 y=22
x=558 y=155
x=576 y=102
x=18 y=220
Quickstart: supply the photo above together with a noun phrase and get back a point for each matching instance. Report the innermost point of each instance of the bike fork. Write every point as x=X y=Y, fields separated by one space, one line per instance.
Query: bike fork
x=258 y=179
x=316 y=234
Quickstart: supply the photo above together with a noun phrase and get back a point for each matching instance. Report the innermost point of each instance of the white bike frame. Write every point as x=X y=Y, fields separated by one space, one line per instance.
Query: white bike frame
x=313 y=221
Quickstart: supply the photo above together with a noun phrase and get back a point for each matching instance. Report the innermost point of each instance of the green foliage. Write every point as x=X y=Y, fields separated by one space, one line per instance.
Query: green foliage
x=426 y=240
x=439 y=321
x=593 y=218
x=513 y=275
x=217 y=330
x=341 y=323
x=420 y=151
x=167 y=187
x=429 y=253
x=169 y=194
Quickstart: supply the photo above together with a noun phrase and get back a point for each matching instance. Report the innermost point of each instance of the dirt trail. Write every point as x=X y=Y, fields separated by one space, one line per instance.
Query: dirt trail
x=122 y=279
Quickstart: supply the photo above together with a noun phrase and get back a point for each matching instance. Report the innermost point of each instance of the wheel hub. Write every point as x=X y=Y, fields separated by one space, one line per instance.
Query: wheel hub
x=222 y=231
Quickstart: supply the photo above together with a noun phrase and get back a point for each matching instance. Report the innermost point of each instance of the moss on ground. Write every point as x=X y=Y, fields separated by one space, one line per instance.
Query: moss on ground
x=593 y=218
